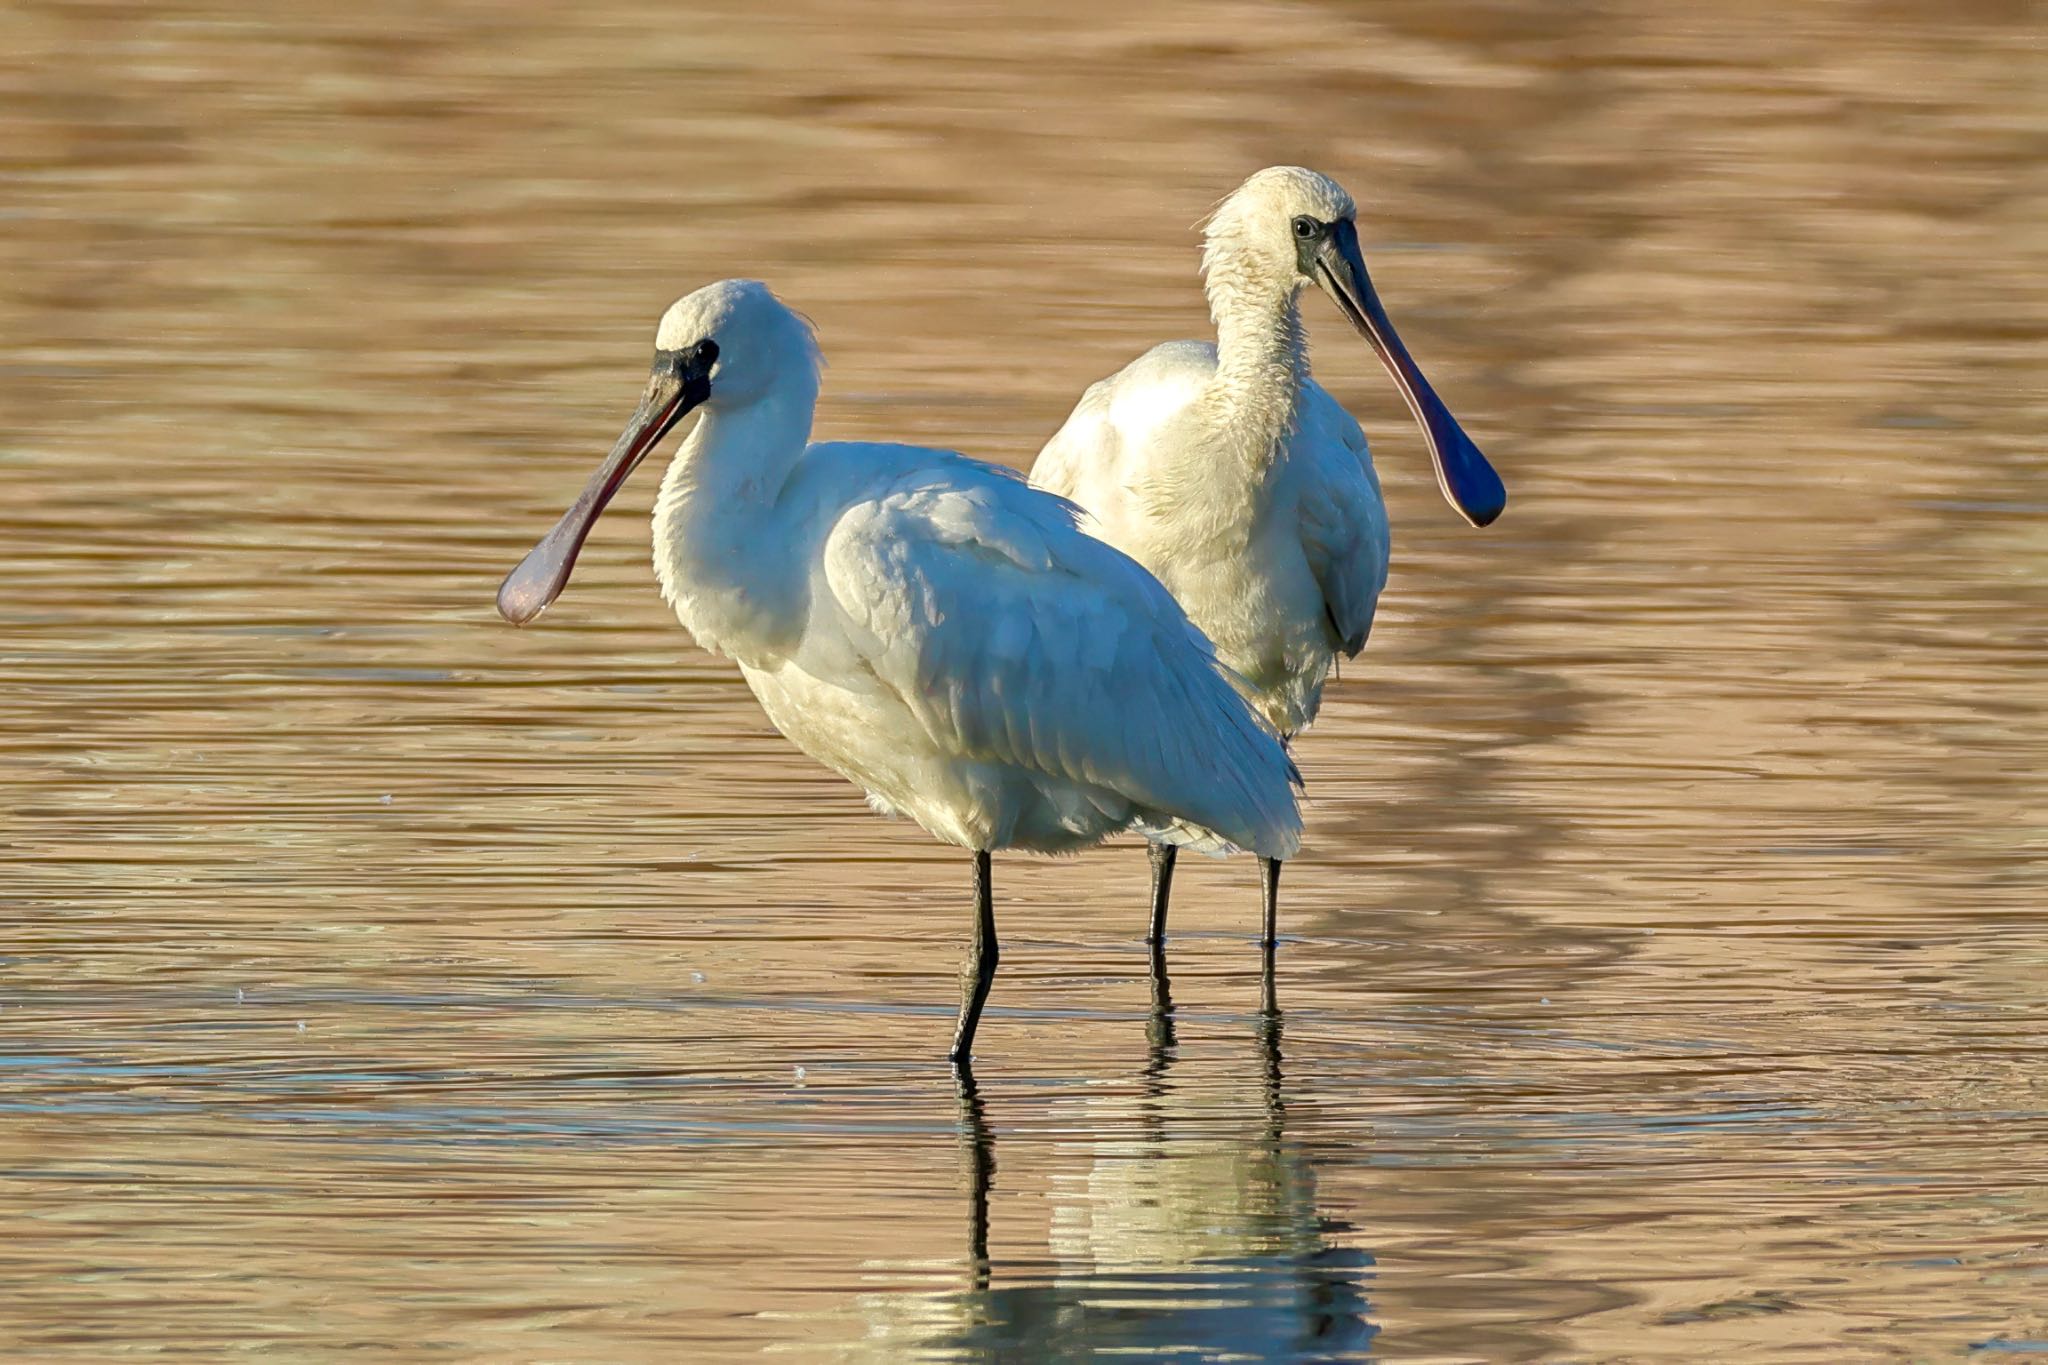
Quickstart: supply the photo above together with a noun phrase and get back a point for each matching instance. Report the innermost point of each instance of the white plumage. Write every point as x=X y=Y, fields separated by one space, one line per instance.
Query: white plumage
x=1279 y=556
x=927 y=625
x=1239 y=481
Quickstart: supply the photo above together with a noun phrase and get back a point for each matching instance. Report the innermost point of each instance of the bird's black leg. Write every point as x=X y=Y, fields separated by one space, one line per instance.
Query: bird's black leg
x=1269 y=995
x=1269 y=1000
x=1159 y=1026
x=979 y=971
x=1271 y=868
x=1162 y=887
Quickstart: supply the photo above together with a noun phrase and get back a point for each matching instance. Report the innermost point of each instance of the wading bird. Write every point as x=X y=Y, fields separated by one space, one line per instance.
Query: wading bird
x=928 y=626
x=1239 y=481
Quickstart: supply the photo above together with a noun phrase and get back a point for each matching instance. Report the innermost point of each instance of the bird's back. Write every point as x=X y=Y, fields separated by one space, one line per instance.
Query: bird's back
x=1109 y=446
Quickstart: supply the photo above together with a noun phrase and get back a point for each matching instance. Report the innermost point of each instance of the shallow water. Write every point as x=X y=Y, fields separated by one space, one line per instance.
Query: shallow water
x=1666 y=976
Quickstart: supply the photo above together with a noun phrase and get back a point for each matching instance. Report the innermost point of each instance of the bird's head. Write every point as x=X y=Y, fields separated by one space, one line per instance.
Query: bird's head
x=1287 y=227
x=1275 y=223
x=755 y=341
x=725 y=346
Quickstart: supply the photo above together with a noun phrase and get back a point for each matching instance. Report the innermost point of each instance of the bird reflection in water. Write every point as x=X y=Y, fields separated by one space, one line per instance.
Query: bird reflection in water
x=1185 y=1231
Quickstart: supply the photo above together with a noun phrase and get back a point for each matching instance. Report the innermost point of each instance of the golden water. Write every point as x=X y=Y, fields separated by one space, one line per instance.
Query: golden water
x=1667 y=972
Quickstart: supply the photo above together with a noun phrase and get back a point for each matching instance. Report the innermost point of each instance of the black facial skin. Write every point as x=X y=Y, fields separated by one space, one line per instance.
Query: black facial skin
x=690 y=365
x=1308 y=239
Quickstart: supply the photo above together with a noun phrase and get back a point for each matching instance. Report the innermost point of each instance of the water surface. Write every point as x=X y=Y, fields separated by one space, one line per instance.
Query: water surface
x=1665 y=972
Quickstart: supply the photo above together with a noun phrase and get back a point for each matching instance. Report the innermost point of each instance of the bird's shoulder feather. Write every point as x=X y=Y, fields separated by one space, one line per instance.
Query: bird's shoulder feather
x=1120 y=418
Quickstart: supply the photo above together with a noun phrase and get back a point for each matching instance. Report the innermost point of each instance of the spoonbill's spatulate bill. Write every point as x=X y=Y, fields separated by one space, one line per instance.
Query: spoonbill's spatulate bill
x=1237 y=479
x=924 y=624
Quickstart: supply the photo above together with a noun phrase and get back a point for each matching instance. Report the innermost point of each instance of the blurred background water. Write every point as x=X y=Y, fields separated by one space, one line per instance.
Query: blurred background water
x=1667 y=974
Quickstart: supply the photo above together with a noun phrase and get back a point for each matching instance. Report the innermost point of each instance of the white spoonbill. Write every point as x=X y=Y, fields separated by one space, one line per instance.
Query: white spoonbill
x=1238 y=480
x=924 y=624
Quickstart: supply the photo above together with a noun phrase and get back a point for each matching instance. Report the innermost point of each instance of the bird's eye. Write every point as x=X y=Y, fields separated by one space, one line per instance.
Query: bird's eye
x=1306 y=227
x=707 y=352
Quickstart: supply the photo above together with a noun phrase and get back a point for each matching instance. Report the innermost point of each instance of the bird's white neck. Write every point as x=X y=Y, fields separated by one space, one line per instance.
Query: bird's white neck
x=1262 y=359
x=720 y=552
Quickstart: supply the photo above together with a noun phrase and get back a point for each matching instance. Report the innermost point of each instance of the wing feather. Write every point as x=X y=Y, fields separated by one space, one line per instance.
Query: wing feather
x=1343 y=521
x=1013 y=636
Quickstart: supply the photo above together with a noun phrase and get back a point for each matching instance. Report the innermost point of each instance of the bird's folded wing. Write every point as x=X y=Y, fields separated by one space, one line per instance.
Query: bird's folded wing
x=1013 y=636
x=1343 y=521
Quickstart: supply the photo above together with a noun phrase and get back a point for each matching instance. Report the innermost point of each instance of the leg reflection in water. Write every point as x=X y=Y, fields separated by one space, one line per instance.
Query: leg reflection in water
x=978 y=1158
x=1184 y=1217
